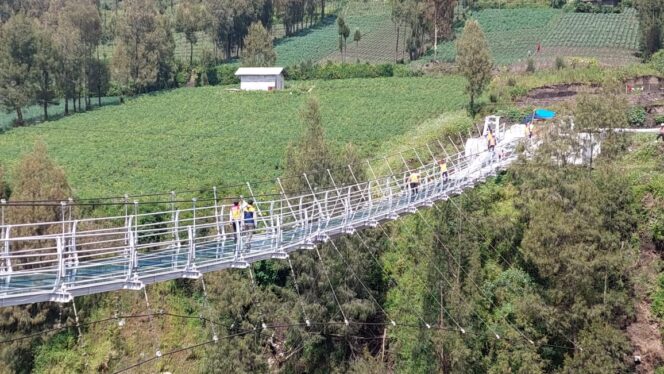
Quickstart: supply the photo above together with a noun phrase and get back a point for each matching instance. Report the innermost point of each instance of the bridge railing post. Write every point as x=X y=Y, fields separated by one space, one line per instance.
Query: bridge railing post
x=217 y=219
x=176 y=237
x=6 y=268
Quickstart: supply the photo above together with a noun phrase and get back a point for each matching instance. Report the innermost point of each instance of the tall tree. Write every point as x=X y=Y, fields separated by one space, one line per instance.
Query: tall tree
x=84 y=17
x=344 y=32
x=37 y=177
x=474 y=61
x=143 y=55
x=47 y=63
x=18 y=64
x=311 y=152
x=651 y=22
x=258 y=50
x=189 y=19
x=441 y=14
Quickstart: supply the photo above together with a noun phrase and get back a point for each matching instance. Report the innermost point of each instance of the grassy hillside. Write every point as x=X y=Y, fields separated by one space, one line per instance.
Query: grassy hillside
x=512 y=33
x=189 y=138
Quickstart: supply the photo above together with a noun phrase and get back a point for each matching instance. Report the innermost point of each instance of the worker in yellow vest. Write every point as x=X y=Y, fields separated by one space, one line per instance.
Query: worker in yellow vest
x=491 y=140
x=236 y=219
x=414 y=180
x=443 y=169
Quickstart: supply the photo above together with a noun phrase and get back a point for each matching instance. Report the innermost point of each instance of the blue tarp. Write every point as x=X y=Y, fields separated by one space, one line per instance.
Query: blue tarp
x=539 y=114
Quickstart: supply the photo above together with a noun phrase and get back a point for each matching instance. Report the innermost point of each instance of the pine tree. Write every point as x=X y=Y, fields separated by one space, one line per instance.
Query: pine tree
x=189 y=19
x=357 y=37
x=143 y=56
x=311 y=152
x=18 y=68
x=37 y=177
x=474 y=60
x=258 y=50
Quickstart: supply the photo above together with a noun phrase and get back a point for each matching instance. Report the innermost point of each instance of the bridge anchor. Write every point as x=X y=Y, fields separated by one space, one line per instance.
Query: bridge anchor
x=239 y=264
x=321 y=238
x=279 y=255
x=191 y=273
x=307 y=245
x=133 y=284
x=350 y=230
x=61 y=296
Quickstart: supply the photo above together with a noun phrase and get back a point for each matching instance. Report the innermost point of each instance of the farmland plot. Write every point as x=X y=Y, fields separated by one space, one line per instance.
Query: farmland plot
x=321 y=43
x=513 y=35
x=191 y=138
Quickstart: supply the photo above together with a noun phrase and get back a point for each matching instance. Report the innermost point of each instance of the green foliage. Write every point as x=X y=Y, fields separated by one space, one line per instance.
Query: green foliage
x=258 y=49
x=658 y=297
x=474 y=60
x=308 y=70
x=190 y=18
x=58 y=351
x=659 y=120
x=605 y=350
x=237 y=135
x=636 y=116
x=651 y=22
x=560 y=63
x=601 y=112
x=657 y=61
x=530 y=65
x=18 y=49
x=143 y=56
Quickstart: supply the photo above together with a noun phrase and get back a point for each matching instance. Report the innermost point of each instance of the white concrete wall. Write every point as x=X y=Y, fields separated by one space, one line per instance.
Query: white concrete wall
x=261 y=82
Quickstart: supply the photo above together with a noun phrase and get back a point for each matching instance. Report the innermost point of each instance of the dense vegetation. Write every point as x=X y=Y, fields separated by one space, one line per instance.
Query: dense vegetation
x=498 y=260
x=540 y=266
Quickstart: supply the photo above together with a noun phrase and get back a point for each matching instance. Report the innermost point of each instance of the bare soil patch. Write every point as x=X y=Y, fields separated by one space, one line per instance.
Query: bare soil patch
x=646 y=91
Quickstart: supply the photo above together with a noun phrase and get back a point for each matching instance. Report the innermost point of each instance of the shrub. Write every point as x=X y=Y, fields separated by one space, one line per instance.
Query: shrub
x=659 y=120
x=657 y=61
x=560 y=63
x=511 y=81
x=332 y=70
x=557 y=3
x=636 y=116
x=530 y=68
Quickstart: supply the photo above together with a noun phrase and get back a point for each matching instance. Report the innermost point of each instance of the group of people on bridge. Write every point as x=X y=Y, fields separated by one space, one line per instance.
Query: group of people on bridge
x=415 y=177
x=243 y=217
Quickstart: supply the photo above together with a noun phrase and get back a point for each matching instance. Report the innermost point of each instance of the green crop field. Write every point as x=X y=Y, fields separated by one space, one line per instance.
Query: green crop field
x=321 y=43
x=190 y=138
x=514 y=33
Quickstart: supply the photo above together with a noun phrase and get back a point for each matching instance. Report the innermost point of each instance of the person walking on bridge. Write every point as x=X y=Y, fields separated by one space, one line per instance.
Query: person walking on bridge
x=236 y=219
x=491 y=139
x=661 y=132
x=414 y=180
x=249 y=221
x=443 y=169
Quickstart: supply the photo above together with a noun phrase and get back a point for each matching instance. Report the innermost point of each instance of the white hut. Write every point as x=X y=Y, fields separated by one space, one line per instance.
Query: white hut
x=260 y=79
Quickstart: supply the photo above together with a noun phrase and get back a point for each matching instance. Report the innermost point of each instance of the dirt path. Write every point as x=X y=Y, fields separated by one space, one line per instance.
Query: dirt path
x=644 y=333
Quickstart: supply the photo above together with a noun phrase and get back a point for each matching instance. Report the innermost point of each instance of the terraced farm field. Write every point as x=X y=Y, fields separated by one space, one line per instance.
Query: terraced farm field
x=514 y=33
x=321 y=43
x=190 y=138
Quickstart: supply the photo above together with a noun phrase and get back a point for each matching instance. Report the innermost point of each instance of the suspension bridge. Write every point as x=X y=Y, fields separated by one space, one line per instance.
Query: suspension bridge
x=76 y=257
